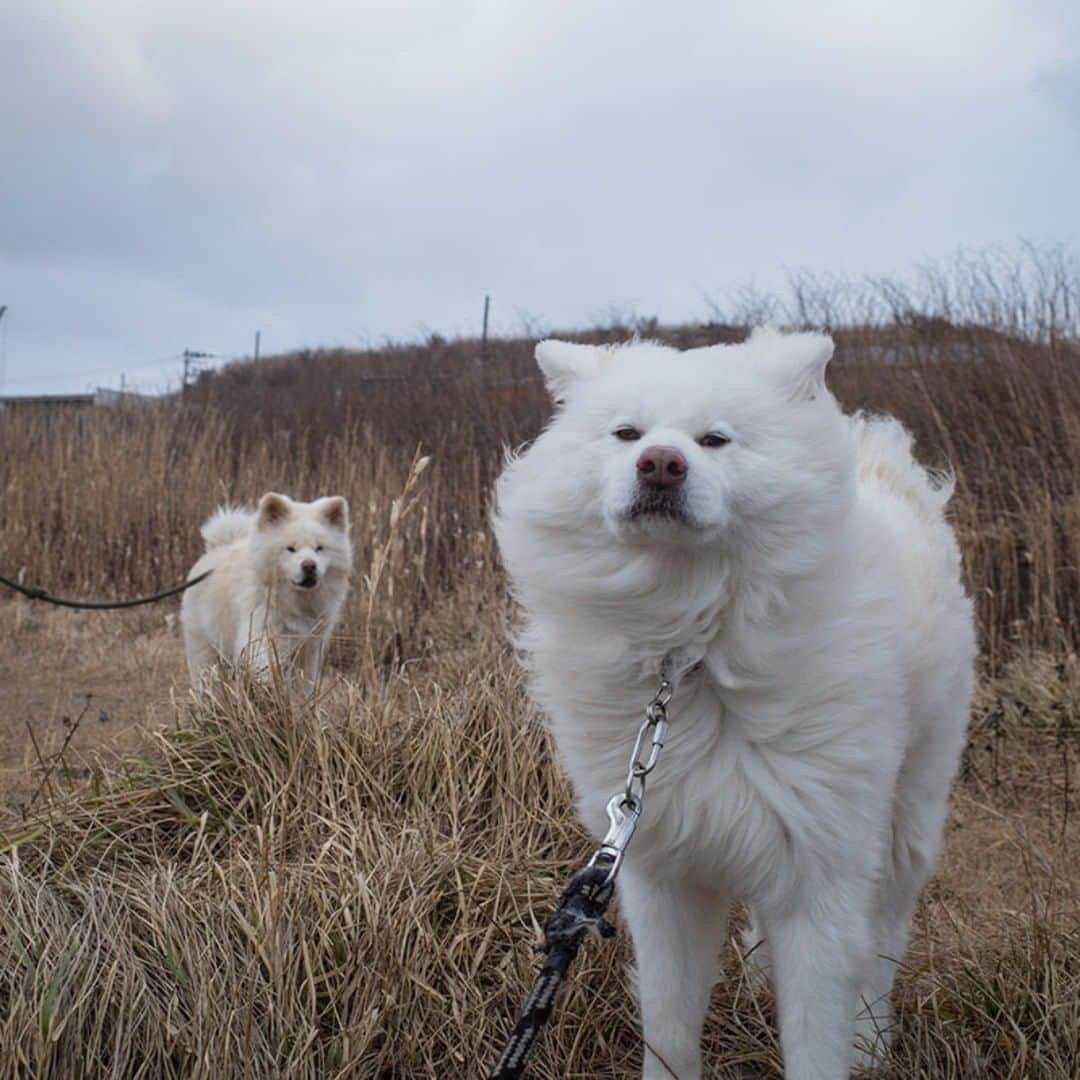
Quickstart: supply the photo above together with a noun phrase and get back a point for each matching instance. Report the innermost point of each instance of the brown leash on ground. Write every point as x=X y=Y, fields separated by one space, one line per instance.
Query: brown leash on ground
x=35 y=592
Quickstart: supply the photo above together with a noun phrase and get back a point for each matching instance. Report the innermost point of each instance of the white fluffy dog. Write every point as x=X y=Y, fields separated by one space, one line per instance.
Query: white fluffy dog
x=718 y=502
x=280 y=576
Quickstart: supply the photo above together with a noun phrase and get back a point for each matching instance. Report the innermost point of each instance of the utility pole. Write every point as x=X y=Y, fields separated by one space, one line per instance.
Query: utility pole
x=190 y=366
x=483 y=338
x=258 y=334
x=3 y=344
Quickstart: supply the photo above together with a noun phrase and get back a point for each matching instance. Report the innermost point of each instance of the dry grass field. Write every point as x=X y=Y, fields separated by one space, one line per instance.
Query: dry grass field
x=352 y=887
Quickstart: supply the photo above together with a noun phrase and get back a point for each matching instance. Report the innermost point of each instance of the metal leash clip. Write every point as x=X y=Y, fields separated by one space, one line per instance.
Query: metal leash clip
x=585 y=899
x=624 y=807
x=623 y=817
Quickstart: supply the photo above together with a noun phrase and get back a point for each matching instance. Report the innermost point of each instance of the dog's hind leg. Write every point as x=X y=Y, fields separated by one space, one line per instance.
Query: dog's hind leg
x=201 y=656
x=678 y=930
x=918 y=820
x=819 y=951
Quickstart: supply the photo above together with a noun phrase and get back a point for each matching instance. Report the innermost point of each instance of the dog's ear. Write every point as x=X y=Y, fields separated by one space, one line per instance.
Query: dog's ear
x=273 y=509
x=563 y=363
x=335 y=511
x=798 y=361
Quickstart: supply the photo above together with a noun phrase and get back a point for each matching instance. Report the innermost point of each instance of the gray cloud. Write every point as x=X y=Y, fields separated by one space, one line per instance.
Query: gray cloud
x=332 y=173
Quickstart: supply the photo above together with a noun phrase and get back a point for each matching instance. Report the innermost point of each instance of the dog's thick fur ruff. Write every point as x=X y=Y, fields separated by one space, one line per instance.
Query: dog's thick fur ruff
x=280 y=577
x=810 y=567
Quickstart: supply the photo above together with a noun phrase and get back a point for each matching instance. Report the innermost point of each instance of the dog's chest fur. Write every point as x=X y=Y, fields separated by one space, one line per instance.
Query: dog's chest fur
x=755 y=784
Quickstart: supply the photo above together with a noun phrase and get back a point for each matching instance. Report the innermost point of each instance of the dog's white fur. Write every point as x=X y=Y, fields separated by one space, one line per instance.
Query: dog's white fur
x=809 y=759
x=258 y=603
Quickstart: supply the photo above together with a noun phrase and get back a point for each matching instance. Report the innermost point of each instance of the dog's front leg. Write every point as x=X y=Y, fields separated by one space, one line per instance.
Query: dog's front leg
x=310 y=658
x=677 y=929
x=819 y=949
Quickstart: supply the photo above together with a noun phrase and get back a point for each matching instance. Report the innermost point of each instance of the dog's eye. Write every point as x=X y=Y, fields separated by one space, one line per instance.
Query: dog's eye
x=712 y=439
x=319 y=548
x=627 y=433
x=292 y=549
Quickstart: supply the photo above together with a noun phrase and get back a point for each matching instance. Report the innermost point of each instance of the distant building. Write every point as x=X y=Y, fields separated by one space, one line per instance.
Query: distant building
x=102 y=397
x=113 y=399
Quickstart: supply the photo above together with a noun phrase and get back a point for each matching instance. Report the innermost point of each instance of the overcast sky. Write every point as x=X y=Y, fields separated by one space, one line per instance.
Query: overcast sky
x=179 y=174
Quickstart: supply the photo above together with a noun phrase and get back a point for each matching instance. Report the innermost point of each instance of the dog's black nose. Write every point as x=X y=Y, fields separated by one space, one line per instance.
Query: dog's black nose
x=309 y=567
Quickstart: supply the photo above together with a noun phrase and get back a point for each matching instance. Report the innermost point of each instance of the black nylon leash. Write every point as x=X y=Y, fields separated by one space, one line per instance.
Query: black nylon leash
x=585 y=899
x=35 y=592
x=580 y=914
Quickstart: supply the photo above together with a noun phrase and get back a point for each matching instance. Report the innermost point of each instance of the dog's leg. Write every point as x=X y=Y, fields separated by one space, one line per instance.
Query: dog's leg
x=918 y=821
x=875 y=1022
x=201 y=655
x=256 y=654
x=755 y=953
x=250 y=646
x=309 y=658
x=908 y=867
x=819 y=949
x=677 y=930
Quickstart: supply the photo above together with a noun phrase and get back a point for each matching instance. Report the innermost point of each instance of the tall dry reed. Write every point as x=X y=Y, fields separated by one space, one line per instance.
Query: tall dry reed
x=352 y=887
x=110 y=502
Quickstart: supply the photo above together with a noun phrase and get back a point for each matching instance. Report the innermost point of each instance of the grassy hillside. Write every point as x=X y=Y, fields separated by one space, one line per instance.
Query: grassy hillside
x=352 y=887
x=111 y=501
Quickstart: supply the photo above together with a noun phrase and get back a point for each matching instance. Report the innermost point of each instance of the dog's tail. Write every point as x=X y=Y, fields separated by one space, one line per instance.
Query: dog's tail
x=226 y=524
x=883 y=456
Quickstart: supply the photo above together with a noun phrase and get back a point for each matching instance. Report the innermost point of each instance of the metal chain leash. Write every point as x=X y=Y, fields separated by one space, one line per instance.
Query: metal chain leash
x=586 y=898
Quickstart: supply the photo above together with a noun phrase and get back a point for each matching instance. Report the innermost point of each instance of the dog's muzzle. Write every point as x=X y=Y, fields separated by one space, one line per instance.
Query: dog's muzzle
x=657 y=502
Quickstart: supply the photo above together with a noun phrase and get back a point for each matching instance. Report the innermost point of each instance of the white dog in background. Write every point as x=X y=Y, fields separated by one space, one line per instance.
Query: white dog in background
x=718 y=502
x=280 y=577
